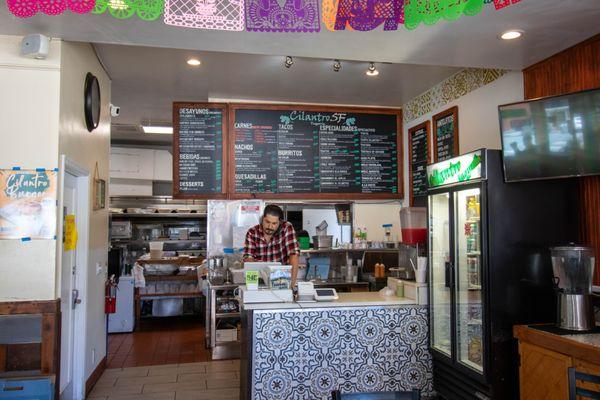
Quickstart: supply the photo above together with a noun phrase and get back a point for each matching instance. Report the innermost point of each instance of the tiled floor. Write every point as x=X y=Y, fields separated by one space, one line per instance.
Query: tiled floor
x=216 y=380
x=159 y=341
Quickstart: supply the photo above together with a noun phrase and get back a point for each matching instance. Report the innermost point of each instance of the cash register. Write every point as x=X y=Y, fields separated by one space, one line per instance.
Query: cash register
x=308 y=294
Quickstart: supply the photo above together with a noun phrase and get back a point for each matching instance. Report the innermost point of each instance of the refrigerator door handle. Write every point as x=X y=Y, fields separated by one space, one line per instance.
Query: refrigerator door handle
x=449 y=275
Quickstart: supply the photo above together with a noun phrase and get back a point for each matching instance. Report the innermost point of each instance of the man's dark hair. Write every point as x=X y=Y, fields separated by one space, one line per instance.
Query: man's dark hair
x=273 y=210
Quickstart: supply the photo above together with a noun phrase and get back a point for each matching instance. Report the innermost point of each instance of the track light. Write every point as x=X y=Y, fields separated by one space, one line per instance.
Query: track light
x=337 y=65
x=372 y=71
x=288 y=61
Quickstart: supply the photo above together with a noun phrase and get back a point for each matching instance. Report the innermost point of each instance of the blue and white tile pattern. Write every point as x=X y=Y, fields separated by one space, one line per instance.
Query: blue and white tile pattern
x=306 y=354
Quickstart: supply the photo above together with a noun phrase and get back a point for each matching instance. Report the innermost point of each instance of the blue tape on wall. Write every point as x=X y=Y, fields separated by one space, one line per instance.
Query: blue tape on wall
x=26 y=239
x=40 y=169
x=16 y=168
x=55 y=169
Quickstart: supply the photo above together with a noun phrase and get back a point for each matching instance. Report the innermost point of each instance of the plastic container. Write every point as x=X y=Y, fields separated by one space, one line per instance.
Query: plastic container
x=279 y=277
x=156 y=250
x=413 y=223
x=304 y=242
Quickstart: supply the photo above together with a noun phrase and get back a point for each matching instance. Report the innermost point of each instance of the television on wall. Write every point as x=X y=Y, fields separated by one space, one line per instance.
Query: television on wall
x=551 y=137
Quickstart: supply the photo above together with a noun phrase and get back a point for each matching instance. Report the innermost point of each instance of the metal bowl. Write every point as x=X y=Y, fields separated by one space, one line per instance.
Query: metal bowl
x=323 y=242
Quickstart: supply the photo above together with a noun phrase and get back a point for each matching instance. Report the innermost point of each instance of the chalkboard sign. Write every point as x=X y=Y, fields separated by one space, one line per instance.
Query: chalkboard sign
x=314 y=152
x=199 y=150
x=445 y=135
x=418 y=157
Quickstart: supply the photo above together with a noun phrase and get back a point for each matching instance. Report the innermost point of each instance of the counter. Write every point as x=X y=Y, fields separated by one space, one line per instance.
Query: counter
x=546 y=356
x=361 y=342
x=359 y=299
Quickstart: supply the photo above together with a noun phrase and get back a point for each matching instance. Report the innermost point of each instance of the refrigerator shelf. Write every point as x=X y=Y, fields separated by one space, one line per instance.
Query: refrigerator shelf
x=473 y=253
x=474 y=287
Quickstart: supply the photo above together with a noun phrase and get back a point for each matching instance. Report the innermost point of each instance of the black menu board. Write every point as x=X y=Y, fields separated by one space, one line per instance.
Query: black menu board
x=445 y=135
x=199 y=151
x=419 y=150
x=286 y=151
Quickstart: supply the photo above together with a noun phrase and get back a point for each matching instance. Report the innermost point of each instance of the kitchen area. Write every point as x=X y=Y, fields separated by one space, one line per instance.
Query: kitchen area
x=414 y=298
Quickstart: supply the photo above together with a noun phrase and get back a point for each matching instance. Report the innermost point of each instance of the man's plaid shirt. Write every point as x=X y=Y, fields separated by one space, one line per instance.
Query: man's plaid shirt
x=283 y=244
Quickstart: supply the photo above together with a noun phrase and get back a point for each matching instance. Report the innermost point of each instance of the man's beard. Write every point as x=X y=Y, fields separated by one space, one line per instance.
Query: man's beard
x=269 y=231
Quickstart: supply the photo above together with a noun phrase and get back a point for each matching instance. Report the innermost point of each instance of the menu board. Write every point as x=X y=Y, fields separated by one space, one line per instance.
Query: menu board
x=199 y=150
x=286 y=151
x=445 y=135
x=418 y=158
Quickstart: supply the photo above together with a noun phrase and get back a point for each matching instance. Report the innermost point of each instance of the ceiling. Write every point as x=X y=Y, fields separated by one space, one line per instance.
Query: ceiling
x=145 y=81
x=151 y=72
x=550 y=26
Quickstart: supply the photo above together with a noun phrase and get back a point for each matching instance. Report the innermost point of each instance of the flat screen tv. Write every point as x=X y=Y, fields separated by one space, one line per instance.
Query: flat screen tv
x=552 y=137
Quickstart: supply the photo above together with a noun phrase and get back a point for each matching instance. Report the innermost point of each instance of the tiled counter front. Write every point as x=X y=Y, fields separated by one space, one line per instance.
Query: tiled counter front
x=305 y=354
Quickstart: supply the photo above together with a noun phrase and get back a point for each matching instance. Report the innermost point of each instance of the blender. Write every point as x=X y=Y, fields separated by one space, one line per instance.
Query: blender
x=573 y=268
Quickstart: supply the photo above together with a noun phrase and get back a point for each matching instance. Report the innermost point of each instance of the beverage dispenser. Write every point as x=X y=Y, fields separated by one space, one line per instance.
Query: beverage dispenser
x=573 y=268
x=413 y=224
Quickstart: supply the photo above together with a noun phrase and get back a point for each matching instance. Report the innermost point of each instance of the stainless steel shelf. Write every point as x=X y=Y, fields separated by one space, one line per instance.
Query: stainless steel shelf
x=158 y=215
x=227 y=315
x=340 y=250
x=137 y=241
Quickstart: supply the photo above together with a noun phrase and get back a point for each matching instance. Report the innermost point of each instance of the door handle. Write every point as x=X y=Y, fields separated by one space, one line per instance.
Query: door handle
x=449 y=274
x=76 y=299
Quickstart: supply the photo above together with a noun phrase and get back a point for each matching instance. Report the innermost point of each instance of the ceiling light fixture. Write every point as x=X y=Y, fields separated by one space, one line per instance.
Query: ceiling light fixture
x=194 y=62
x=372 y=71
x=337 y=65
x=288 y=61
x=162 y=130
x=510 y=35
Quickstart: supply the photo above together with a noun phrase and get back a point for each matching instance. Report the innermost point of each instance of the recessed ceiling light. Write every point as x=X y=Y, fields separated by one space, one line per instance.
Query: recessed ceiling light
x=510 y=35
x=337 y=65
x=289 y=61
x=163 y=130
x=372 y=71
x=194 y=62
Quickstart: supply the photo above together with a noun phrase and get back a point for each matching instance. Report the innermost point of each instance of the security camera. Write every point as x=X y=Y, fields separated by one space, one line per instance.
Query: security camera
x=115 y=111
x=35 y=46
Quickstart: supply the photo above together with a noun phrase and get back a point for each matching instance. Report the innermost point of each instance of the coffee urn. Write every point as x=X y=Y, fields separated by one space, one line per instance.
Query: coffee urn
x=573 y=268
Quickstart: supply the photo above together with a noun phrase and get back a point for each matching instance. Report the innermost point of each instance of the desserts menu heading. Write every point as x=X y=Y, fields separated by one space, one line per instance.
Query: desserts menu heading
x=278 y=151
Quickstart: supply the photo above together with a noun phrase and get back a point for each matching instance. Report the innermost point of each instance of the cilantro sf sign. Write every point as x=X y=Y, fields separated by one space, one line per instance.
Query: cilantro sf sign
x=458 y=169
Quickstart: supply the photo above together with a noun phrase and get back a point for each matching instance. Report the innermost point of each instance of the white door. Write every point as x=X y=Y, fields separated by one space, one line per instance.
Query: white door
x=69 y=293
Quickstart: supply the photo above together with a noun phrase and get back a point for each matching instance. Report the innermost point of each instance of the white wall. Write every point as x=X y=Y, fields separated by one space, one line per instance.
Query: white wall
x=29 y=103
x=477 y=116
x=86 y=149
x=372 y=215
x=478 y=127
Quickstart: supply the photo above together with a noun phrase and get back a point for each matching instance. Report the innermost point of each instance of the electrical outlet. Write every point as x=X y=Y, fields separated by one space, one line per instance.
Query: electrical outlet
x=98 y=268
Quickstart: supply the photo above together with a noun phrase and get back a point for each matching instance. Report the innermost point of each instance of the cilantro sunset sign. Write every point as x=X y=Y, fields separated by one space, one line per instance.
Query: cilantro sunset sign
x=458 y=169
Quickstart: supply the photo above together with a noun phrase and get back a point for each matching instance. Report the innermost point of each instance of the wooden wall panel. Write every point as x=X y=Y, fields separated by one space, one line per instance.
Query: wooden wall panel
x=543 y=373
x=572 y=70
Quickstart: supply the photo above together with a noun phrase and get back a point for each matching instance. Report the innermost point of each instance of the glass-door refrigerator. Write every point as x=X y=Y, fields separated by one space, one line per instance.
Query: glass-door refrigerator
x=489 y=269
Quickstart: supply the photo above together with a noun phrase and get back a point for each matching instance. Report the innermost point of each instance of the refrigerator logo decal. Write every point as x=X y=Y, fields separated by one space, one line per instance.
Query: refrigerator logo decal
x=459 y=169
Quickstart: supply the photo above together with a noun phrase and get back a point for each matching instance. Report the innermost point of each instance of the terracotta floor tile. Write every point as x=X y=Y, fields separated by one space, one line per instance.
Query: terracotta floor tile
x=116 y=391
x=206 y=376
x=167 y=387
x=222 y=383
x=165 y=360
x=149 y=396
x=223 y=394
x=146 y=380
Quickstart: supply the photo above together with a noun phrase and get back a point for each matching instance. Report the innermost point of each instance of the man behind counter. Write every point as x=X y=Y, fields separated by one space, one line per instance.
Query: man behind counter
x=273 y=240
